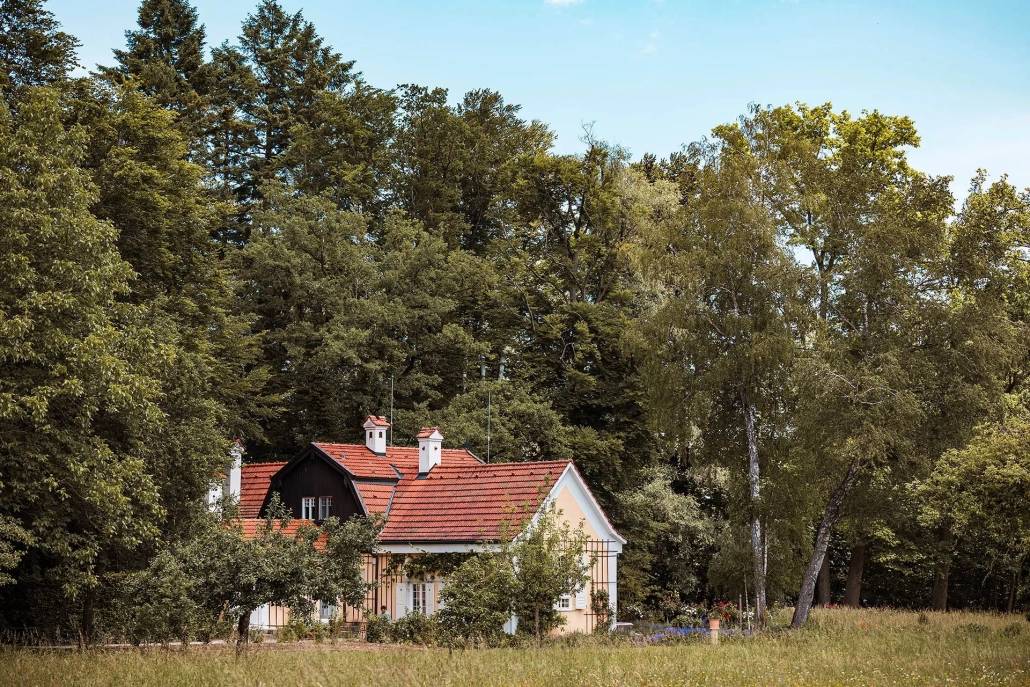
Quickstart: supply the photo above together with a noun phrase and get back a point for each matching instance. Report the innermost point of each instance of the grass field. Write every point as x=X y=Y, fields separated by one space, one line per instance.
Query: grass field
x=841 y=647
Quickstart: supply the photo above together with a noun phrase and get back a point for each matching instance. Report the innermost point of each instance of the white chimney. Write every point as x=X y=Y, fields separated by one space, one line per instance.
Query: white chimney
x=236 y=471
x=430 y=448
x=375 y=434
x=232 y=481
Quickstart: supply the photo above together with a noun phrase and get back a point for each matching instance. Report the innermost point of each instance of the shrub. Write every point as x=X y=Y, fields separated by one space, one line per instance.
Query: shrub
x=1013 y=629
x=256 y=636
x=477 y=601
x=286 y=634
x=319 y=632
x=685 y=620
x=416 y=628
x=377 y=629
x=972 y=629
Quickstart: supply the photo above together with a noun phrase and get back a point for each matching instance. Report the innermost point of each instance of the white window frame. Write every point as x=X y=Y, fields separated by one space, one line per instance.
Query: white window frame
x=307 y=507
x=419 y=598
x=564 y=603
x=325 y=507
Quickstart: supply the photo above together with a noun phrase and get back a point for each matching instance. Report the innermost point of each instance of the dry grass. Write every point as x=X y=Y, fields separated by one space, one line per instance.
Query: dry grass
x=842 y=647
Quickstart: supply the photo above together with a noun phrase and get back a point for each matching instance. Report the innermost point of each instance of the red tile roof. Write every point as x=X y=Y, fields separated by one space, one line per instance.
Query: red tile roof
x=255 y=480
x=376 y=495
x=378 y=421
x=468 y=504
x=461 y=500
x=427 y=432
x=361 y=462
x=252 y=526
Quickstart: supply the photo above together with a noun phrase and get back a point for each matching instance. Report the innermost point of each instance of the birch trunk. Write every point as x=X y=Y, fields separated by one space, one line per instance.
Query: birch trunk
x=822 y=540
x=754 y=480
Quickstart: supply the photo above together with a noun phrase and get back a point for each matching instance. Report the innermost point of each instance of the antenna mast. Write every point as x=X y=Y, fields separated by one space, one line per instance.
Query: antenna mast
x=391 y=410
x=488 y=426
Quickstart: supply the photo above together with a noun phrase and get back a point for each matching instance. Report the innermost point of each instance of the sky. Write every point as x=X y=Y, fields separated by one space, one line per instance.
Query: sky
x=653 y=75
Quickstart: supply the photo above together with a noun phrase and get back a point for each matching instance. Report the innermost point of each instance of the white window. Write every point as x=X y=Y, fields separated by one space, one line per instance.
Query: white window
x=326 y=611
x=564 y=603
x=307 y=508
x=418 y=598
x=325 y=507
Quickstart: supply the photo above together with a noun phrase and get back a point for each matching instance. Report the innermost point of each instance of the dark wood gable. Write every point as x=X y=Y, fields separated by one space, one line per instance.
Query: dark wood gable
x=312 y=473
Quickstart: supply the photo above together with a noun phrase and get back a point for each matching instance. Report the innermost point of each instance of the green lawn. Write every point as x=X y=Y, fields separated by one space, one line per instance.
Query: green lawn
x=840 y=648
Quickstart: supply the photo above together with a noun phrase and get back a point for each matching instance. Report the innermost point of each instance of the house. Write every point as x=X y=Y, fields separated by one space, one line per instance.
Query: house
x=435 y=500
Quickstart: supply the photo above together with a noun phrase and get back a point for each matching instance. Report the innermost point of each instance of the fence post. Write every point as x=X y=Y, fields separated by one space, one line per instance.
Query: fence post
x=713 y=630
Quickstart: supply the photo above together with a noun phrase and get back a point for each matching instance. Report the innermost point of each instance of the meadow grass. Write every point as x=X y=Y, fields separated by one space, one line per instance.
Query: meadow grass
x=840 y=647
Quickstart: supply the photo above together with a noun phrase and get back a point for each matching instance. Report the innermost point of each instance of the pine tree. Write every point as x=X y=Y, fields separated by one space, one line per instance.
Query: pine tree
x=33 y=49
x=293 y=69
x=165 y=57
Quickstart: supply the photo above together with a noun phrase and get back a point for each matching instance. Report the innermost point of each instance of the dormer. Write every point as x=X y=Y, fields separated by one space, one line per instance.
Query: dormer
x=430 y=449
x=375 y=427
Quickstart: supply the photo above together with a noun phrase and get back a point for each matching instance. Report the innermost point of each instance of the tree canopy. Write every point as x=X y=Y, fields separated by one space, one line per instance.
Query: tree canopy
x=780 y=357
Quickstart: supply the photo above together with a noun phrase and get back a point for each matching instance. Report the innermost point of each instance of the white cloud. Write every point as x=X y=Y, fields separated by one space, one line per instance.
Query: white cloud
x=656 y=34
x=562 y=3
x=649 y=49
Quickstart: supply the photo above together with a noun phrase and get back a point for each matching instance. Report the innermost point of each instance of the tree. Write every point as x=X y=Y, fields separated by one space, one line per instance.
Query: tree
x=730 y=312
x=77 y=398
x=842 y=189
x=550 y=561
x=478 y=599
x=165 y=58
x=212 y=386
x=668 y=537
x=236 y=572
x=346 y=306
x=986 y=275
x=982 y=491
x=33 y=49
x=569 y=288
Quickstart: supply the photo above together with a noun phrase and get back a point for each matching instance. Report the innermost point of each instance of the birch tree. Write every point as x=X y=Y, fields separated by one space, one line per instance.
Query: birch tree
x=728 y=313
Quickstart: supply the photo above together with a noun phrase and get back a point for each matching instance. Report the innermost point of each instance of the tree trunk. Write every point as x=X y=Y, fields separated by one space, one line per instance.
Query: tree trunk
x=822 y=597
x=822 y=539
x=1012 y=590
x=86 y=621
x=243 y=632
x=939 y=596
x=853 y=590
x=536 y=611
x=754 y=480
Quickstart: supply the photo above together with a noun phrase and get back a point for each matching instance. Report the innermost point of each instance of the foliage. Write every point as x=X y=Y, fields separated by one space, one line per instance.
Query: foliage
x=77 y=399
x=416 y=628
x=377 y=629
x=477 y=600
x=550 y=560
x=777 y=345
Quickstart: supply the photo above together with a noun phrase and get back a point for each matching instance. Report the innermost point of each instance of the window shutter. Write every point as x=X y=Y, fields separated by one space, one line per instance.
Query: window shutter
x=581 y=599
x=430 y=598
x=402 y=599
